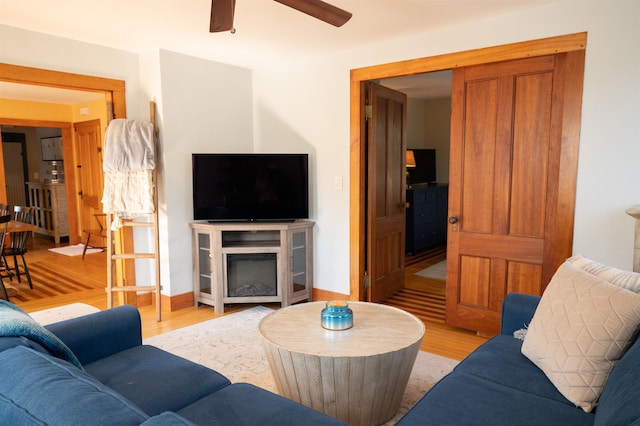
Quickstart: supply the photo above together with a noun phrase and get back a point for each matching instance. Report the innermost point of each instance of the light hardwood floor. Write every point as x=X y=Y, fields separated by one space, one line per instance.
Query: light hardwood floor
x=425 y=298
x=60 y=280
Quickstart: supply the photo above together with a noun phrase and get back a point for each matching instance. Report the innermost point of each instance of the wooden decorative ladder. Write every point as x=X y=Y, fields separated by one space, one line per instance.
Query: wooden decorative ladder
x=113 y=258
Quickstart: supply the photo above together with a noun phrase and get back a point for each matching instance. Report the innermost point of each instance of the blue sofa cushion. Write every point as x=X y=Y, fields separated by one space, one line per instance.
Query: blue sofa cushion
x=101 y=334
x=14 y=322
x=155 y=380
x=618 y=404
x=245 y=404
x=38 y=388
x=464 y=399
x=517 y=311
x=515 y=370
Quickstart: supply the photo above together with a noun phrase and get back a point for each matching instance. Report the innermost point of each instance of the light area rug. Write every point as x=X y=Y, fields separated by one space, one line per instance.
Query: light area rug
x=436 y=272
x=232 y=346
x=61 y=313
x=75 y=250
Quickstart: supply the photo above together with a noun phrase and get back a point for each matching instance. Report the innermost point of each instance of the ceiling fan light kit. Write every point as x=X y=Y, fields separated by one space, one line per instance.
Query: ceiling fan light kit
x=222 y=12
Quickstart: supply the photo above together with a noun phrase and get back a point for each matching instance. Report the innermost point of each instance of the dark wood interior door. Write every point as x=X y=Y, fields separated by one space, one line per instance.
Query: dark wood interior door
x=512 y=183
x=386 y=147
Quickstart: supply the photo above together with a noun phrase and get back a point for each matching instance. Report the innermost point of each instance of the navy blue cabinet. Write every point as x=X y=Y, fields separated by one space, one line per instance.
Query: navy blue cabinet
x=426 y=222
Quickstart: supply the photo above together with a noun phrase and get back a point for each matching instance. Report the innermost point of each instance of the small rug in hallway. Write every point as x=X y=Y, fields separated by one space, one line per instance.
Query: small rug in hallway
x=436 y=272
x=61 y=313
x=74 y=250
x=232 y=346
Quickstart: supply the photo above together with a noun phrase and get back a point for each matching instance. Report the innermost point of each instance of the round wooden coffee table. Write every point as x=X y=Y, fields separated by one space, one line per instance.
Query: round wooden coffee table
x=356 y=375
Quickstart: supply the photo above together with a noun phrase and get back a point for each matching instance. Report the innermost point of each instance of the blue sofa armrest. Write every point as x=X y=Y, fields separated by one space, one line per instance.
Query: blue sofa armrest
x=517 y=311
x=101 y=334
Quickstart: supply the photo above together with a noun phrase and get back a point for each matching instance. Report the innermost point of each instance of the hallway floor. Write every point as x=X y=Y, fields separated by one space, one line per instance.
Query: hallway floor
x=423 y=297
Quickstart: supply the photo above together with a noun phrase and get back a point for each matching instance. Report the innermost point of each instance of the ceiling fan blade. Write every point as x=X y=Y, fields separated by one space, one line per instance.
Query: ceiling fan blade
x=222 y=15
x=320 y=10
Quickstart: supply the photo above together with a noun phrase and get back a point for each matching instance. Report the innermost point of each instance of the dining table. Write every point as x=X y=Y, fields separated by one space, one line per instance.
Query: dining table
x=17 y=226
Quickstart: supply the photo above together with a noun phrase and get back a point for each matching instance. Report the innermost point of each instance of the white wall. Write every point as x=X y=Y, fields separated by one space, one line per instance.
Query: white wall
x=304 y=107
x=437 y=124
x=416 y=123
x=31 y=49
x=307 y=110
x=316 y=100
x=206 y=107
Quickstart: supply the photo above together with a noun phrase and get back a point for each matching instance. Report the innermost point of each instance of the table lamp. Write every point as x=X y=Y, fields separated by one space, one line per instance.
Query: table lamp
x=411 y=162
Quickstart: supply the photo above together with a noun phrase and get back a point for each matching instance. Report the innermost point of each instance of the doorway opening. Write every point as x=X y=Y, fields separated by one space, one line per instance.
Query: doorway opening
x=14 y=150
x=113 y=91
x=427 y=176
x=359 y=77
x=115 y=95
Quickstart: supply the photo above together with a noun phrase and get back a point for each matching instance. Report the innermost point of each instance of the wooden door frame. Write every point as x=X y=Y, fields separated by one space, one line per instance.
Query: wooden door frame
x=112 y=89
x=357 y=196
x=115 y=89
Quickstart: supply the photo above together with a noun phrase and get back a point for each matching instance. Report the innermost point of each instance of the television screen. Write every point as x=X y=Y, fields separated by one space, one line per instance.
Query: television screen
x=250 y=187
x=425 y=170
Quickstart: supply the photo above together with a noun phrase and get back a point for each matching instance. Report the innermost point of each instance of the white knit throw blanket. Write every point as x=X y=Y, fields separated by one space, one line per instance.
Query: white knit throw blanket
x=129 y=160
x=128 y=194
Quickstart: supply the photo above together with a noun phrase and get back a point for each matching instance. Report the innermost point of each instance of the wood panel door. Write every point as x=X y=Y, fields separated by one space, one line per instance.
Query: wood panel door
x=512 y=182
x=89 y=174
x=386 y=145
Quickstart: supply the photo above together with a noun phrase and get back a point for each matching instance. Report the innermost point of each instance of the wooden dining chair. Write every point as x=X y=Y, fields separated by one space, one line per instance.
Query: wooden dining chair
x=18 y=245
x=4 y=220
x=100 y=232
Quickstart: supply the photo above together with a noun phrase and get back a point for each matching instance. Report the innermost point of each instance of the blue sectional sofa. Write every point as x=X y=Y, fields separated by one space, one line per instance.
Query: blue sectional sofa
x=498 y=385
x=94 y=370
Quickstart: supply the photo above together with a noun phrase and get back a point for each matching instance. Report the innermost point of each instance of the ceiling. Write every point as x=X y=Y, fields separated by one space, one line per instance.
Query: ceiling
x=422 y=86
x=266 y=31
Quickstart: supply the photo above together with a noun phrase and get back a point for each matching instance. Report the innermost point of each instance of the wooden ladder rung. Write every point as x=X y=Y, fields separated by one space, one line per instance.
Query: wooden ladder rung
x=132 y=288
x=133 y=256
x=111 y=287
x=138 y=224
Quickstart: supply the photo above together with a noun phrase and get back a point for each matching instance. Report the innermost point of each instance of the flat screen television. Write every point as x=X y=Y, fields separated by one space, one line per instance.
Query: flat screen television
x=250 y=187
x=425 y=170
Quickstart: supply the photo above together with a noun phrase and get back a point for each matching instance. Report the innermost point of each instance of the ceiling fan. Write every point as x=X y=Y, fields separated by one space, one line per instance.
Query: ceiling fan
x=222 y=13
